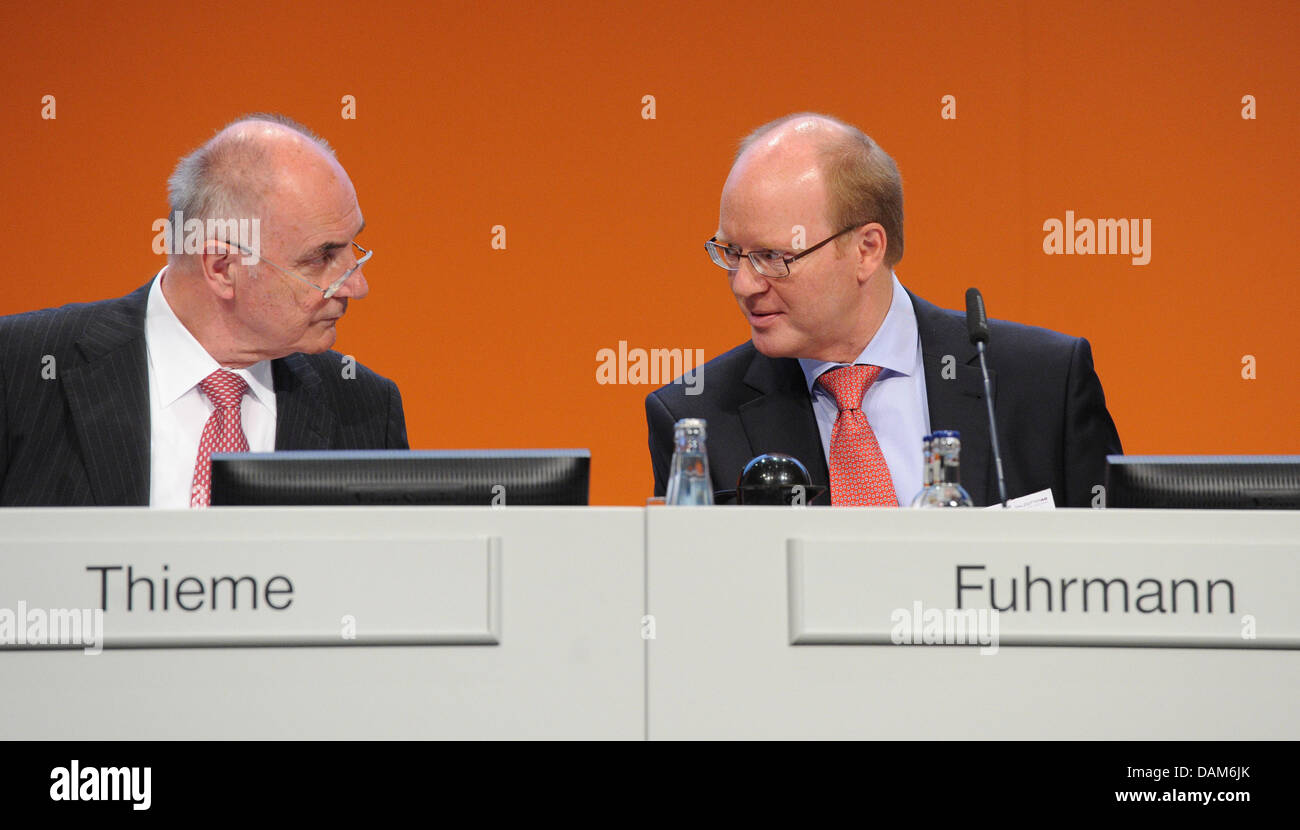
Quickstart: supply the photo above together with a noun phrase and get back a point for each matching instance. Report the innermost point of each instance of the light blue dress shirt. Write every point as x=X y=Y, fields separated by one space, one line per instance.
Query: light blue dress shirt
x=896 y=405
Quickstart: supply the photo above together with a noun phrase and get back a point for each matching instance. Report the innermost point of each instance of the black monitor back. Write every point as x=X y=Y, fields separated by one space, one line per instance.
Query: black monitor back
x=402 y=477
x=1207 y=482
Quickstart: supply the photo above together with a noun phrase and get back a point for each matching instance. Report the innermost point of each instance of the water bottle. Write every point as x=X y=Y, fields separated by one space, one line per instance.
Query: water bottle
x=945 y=490
x=927 y=470
x=688 y=479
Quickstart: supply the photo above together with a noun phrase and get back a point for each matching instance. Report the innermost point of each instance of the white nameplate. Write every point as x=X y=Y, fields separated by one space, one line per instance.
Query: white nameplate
x=258 y=592
x=1072 y=593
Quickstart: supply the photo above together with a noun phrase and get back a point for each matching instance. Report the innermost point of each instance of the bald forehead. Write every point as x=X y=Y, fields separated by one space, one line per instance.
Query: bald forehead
x=790 y=153
x=266 y=133
x=777 y=183
x=771 y=178
x=273 y=142
x=798 y=137
x=284 y=162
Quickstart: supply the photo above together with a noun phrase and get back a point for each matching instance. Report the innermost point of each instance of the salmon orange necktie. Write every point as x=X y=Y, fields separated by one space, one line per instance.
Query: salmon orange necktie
x=859 y=475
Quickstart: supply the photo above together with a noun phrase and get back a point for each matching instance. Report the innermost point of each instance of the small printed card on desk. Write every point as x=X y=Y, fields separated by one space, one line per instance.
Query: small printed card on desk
x=1042 y=500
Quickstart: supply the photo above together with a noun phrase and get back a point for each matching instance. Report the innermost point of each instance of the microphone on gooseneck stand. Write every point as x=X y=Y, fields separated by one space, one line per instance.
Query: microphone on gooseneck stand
x=977 y=325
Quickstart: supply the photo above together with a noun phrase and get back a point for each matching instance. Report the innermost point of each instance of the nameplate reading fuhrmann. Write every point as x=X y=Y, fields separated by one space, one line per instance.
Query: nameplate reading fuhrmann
x=1121 y=592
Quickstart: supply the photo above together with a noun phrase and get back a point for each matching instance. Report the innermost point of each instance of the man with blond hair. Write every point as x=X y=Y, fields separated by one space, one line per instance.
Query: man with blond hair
x=846 y=369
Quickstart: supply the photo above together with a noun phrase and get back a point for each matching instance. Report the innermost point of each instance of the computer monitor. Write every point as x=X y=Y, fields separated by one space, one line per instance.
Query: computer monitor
x=402 y=477
x=1208 y=482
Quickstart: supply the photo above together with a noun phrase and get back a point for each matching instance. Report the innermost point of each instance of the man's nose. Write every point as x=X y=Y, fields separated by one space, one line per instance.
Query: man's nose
x=745 y=281
x=355 y=286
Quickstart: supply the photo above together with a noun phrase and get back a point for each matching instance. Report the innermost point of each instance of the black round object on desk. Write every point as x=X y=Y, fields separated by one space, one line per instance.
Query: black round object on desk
x=771 y=478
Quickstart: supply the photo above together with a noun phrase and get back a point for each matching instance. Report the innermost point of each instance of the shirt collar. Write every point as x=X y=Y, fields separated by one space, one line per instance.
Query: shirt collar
x=893 y=348
x=178 y=362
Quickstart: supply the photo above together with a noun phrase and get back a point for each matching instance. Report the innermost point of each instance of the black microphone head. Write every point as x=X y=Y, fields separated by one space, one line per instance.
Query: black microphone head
x=977 y=323
x=771 y=478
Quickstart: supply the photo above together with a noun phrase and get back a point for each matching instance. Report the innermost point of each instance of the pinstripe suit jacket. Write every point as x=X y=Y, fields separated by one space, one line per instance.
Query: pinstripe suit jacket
x=74 y=405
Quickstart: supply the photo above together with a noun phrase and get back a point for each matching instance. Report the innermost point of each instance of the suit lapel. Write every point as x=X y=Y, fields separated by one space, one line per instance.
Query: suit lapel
x=954 y=387
x=108 y=402
x=782 y=415
x=303 y=421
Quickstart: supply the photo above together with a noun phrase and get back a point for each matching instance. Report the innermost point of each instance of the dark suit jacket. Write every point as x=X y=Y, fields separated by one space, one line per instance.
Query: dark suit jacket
x=81 y=437
x=1053 y=426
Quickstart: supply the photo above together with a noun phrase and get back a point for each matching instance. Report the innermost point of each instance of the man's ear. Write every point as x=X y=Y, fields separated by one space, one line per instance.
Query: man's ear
x=216 y=261
x=872 y=244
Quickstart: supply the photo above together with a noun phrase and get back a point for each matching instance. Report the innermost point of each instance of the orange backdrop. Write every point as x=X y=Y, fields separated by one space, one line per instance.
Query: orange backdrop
x=529 y=115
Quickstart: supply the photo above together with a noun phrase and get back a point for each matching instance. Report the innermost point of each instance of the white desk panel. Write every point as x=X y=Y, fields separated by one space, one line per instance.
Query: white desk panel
x=558 y=655
x=752 y=642
x=766 y=622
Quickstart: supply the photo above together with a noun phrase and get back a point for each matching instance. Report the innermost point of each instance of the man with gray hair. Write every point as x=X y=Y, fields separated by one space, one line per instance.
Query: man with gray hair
x=846 y=369
x=225 y=350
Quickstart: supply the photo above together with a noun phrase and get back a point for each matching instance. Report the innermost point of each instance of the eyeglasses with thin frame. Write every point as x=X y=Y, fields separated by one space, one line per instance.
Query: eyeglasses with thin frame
x=363 y=256
x=768 y=263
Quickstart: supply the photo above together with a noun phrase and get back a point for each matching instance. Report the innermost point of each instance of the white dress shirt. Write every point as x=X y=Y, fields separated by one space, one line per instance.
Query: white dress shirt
x=178 y=409
x=896 y=405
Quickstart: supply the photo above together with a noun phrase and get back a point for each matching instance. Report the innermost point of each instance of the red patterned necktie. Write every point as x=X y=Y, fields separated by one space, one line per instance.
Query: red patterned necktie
x=859 y=475
x=224 y=431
